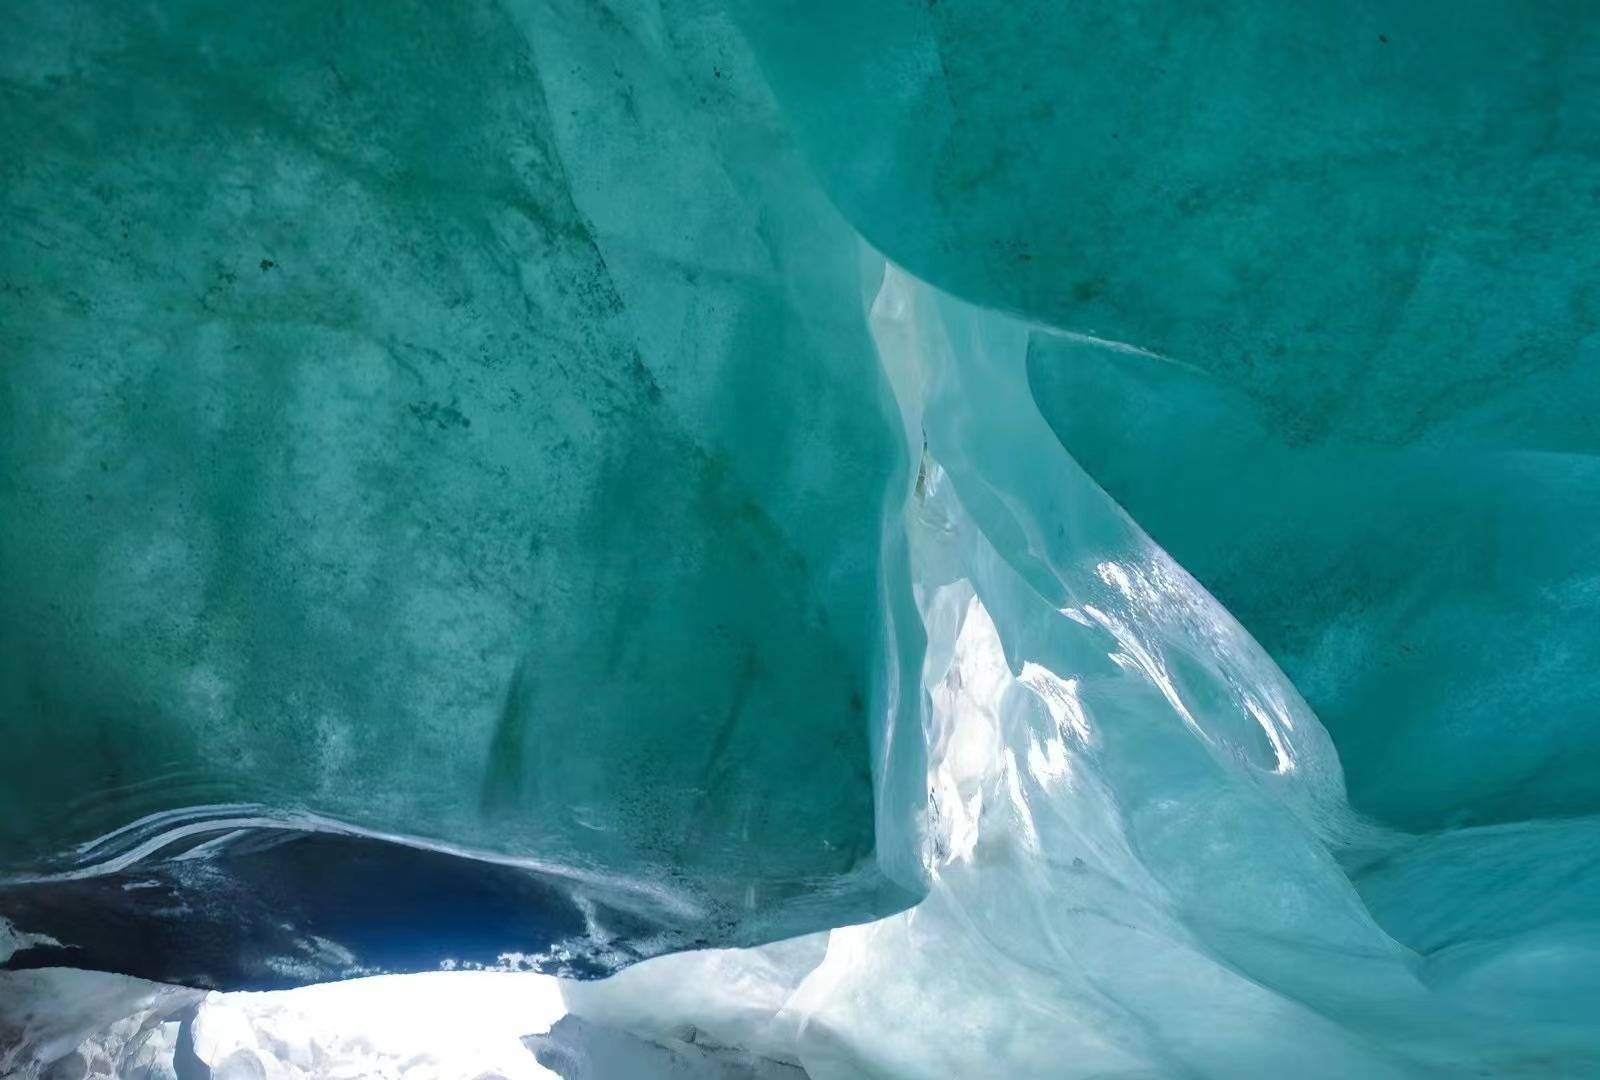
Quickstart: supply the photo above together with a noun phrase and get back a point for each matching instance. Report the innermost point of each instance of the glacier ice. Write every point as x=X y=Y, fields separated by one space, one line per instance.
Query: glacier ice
x=1354 y=246
x=381 y=449
x=1139 y=859
x=1078 y=514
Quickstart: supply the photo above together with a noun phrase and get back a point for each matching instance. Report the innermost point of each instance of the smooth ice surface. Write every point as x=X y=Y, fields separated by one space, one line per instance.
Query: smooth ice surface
x=1354 y=245
x=1141 y=857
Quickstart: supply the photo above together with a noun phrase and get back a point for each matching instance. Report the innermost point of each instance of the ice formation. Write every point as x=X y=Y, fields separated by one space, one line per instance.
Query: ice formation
x=540 y=485
x=426 y=464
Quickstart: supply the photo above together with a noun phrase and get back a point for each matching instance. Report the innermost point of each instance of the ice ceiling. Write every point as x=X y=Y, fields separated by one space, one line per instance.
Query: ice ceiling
x=1072 y=520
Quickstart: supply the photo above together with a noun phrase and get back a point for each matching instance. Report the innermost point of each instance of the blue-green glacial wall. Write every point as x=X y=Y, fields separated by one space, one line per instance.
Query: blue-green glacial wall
x=598 y=479
x=455 y=421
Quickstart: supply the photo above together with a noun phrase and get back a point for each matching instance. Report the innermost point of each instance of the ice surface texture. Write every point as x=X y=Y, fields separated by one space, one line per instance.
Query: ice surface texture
x=454 y=421
x=1139 y=857
x=493 y=430
x=1362 y=237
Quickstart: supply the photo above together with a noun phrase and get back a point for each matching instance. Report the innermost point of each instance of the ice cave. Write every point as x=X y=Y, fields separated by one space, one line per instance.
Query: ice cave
x=767 y=540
